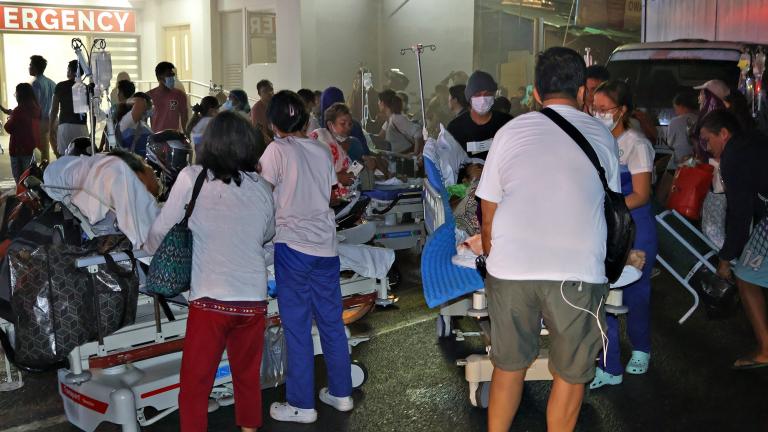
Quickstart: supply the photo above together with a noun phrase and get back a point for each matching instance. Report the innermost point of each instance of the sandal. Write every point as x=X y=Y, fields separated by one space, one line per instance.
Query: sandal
x=747 y=363
x=638 y=364
x=603 y=378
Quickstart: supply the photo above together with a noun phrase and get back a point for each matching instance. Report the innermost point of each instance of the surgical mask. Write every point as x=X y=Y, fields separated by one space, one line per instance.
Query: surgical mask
x=227 y=106
x=170 y=82
x=336 y=136
x=482 y=104
x=607 y=119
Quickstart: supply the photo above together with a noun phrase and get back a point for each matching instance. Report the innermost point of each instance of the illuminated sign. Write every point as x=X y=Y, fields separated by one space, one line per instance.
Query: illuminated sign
x=49 y=19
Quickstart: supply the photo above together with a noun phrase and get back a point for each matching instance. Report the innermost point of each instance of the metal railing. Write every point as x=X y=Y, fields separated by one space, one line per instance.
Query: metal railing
x=196 y=90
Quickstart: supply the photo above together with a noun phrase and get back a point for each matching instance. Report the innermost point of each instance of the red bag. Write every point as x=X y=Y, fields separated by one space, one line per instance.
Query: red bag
x=689 y=189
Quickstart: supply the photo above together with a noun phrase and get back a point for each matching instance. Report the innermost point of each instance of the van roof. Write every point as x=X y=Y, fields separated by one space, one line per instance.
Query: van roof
x=681 y=50
x=686 y=44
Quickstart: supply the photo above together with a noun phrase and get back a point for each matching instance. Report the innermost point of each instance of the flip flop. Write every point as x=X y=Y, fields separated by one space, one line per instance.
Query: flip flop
x=749 y=363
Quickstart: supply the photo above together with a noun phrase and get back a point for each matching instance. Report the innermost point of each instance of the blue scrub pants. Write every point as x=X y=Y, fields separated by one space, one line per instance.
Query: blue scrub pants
x=637 y=296
x=308 y=288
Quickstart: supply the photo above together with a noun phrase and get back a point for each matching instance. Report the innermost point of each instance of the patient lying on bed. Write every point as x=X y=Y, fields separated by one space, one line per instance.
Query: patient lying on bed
x=117 y=182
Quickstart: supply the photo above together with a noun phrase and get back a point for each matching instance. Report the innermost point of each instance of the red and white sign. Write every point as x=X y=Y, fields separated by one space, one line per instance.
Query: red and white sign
x=81 y=399
x=50 y=19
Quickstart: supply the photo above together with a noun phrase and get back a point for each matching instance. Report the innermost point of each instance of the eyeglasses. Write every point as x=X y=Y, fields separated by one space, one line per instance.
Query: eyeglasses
x=595 y=110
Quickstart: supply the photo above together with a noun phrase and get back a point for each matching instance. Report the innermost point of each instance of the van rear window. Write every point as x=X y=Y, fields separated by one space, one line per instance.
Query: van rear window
x=655 y=82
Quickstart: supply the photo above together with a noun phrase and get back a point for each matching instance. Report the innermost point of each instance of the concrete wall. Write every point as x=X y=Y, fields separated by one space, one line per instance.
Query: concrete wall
x=338 y=36
x=450 y=27
x=286 y=73
x=157 y=15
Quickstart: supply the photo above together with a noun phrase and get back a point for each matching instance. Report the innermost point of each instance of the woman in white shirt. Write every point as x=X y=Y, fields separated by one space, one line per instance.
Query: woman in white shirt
x=403 y=135
x=613 y=106
x=232 y=218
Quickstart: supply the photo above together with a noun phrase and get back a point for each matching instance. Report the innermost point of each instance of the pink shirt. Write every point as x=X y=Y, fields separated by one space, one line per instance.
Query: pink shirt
x=168 y=106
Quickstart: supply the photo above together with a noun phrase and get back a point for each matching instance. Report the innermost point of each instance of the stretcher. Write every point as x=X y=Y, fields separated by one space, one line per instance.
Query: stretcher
x=131 y=377
x=397 y=212
x=459 y=291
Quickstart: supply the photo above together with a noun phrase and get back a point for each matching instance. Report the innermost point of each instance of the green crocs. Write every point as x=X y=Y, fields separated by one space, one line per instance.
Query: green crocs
x=604 y=378
x=638 y=364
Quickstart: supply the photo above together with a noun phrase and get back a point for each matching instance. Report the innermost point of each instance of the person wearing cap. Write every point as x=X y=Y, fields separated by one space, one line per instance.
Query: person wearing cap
x=712 y=95
x=475 y=129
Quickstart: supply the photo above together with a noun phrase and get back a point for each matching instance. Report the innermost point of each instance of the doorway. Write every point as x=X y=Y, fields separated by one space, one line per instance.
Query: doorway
x=178 y=50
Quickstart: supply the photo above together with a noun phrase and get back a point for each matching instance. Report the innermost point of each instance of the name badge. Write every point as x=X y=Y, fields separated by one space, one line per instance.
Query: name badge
x=479 y=146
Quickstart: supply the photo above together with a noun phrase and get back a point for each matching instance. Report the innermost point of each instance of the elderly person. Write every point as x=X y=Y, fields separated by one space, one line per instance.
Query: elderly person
x=357 y=150
x=336 y=135
x=233 y=217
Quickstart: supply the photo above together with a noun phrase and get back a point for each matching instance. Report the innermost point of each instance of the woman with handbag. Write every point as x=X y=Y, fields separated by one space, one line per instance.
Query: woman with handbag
x=306 y=261
x=613 y=106
x=230 y=216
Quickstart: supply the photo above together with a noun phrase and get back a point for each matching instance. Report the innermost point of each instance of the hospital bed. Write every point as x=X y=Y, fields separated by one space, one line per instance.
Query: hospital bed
x=131 y=377
x=459 y=291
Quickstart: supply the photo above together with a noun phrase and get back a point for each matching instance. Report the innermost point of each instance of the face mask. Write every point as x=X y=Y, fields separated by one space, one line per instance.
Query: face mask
x=482 y=104
x=170 y=82
x=149 y=113
x=227 y=106
x=607 y=120
x=336 y=136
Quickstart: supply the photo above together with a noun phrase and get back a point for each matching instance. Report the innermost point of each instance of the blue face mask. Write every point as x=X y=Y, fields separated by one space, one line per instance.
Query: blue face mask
x=170 y=82
x=227 y=106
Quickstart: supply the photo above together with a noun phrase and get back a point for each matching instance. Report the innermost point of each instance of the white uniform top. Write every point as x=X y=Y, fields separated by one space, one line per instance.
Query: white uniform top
x=301 y=170
x=635 y=152
x=550 y=220
x=229 y=225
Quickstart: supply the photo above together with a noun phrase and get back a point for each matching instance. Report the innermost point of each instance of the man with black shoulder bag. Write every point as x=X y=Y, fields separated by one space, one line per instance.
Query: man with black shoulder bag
x=548 y=186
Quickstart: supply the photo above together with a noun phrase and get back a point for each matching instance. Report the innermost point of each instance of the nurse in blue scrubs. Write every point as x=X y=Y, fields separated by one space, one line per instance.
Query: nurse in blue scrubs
x=613 y=107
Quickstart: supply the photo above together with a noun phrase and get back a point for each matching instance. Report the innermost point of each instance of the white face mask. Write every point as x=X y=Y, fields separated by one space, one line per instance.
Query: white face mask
x=482 y=104
x=607 y=119
x=337 y=137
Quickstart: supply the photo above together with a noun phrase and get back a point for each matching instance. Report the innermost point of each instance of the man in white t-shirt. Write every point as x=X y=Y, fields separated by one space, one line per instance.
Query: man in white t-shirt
x=544 y=231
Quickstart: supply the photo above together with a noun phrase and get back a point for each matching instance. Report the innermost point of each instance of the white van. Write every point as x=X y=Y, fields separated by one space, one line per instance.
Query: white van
x=656 y=71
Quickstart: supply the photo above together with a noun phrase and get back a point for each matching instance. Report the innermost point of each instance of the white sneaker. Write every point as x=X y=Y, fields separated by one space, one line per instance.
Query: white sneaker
x=287 y=413
x=342 y=404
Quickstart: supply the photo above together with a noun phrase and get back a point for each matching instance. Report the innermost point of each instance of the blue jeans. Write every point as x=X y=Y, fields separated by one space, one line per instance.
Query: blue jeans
x=308 y=288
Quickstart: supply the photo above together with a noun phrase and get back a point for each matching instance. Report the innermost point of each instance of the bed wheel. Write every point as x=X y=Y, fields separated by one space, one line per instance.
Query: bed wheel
x=444 y=327
x=359 y=374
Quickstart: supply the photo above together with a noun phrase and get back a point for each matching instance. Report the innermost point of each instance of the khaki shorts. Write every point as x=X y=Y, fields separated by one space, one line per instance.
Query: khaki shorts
x=515 y=309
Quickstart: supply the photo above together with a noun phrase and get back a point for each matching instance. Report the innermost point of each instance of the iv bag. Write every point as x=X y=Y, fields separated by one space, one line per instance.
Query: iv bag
x=367 y=80
x=101 y=65
x=79 y=97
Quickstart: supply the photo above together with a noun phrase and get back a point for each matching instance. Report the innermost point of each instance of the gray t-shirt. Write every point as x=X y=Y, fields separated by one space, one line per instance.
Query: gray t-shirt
x=678 y=138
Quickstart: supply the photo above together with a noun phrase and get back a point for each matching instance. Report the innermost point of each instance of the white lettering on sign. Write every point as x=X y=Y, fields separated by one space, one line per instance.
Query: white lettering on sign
x=85 y=20
x=102 y=24
x=11 y=17
x=67 y=19
x=28 y=19
x=122 y=19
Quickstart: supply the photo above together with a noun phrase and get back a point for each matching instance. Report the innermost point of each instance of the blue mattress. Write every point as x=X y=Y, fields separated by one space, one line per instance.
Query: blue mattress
x=441 y=279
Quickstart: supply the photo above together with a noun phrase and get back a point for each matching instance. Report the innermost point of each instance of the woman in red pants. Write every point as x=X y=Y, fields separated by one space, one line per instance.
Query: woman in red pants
x=233 y=217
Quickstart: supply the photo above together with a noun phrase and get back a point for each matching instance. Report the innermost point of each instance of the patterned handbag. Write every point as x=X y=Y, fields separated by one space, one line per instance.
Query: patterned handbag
x=170 y=271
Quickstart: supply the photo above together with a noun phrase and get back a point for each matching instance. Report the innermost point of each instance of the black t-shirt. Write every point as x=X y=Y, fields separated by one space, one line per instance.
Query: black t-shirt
x=465 y=130
x=63 y=91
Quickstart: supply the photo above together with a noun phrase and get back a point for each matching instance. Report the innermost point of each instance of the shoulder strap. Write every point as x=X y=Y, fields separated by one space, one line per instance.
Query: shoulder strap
x=195 y=192
x=577 y=136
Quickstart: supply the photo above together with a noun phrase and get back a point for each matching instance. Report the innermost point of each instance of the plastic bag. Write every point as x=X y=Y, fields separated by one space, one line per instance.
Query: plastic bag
x=274 y=361
x=717 y=295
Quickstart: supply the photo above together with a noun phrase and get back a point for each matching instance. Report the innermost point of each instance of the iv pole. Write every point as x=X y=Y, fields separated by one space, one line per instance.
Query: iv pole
x=418 y=49
x=96 y=89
